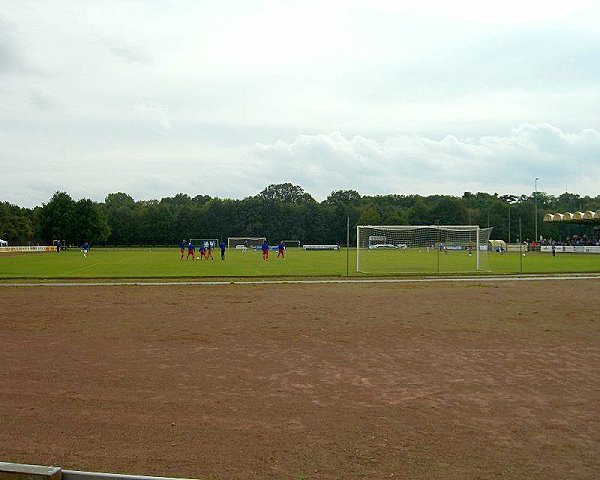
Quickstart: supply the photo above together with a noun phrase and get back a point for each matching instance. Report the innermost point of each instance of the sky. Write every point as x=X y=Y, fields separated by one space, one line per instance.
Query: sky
x=158 y=97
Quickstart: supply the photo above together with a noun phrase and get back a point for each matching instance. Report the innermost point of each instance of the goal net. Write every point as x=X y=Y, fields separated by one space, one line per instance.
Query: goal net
x=207 y=242
x=248 y=242
x=421 y=249
x=292 y=243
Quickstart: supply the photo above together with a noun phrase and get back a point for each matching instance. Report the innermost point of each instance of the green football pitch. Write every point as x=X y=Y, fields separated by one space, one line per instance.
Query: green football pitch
x=166 y=263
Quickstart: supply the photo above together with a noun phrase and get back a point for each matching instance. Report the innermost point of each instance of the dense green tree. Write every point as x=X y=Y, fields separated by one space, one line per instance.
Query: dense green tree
x=156 y=223
x=280 y=212
x=286 y=192
x=449 y=211
x=90 y=222
x=395 y=217
x=57 y=219
x=420 y=213
x=344 y=197
x=121 y=215
x=370 y=216
x=16 y=224
x=117 y=200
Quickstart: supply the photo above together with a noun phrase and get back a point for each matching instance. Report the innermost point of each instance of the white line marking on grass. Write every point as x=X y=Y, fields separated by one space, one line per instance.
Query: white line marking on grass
x=143 y=283
x=78 y=269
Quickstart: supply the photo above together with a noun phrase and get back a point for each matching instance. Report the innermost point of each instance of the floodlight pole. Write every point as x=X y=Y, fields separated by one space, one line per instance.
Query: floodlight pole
x=535 y=208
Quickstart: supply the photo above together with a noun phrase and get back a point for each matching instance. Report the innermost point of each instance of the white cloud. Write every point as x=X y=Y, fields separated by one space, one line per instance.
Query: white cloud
x=508 y=11
x=12 y=56
x=297 y=32
x=416 y=164
x=151 y=113
x=41 y=100
x=130 y=54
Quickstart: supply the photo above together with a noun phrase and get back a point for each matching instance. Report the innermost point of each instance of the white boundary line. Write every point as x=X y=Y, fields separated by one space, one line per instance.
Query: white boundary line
x=142 y=283
x=79 y=475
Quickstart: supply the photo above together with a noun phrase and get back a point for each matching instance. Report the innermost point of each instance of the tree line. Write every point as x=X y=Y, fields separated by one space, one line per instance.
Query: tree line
x=279 y=212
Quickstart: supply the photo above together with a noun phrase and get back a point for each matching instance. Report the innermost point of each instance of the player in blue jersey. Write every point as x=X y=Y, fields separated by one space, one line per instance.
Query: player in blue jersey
x=209 y=251
x=281 y=250
x=191 y=251
x=265 y=250
x=86 y=247
x=222 y=247
x=202 y=250
x=182 y=248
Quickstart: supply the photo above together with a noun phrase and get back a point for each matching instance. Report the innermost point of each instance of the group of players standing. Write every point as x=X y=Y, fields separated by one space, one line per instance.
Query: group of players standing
x=205 y=250
x=280 y=250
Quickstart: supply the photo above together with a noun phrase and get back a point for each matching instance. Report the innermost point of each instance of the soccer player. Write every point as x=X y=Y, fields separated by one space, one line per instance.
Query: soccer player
x=182 y=248
x=209 y=251
x=470 y=249
x=222 y=247
x=202 y=249
x=191 y=251
x=86 y=247
x=58 y=246
x=281 y=250
x=265 y=250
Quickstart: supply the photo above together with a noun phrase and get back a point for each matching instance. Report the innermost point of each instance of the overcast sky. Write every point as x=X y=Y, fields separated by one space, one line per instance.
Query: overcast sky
x=223 y=98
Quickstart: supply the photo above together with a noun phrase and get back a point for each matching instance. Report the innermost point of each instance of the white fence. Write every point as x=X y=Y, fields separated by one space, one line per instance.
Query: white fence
x=321 y=247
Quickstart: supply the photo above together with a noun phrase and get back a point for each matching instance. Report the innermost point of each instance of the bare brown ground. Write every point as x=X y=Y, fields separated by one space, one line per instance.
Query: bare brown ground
x=403 y=381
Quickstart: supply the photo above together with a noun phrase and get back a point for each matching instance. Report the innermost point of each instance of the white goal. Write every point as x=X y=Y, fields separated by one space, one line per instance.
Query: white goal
x=247 y=242
x=385 y=249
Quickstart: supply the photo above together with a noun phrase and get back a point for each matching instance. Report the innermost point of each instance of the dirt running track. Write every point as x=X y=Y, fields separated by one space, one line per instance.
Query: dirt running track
x=409 y=381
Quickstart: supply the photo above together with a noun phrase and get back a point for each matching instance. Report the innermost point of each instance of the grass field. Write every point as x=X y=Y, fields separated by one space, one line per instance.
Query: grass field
x=165 y=263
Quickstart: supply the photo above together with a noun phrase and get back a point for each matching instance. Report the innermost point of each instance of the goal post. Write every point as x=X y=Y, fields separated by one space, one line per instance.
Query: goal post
x=389 y=249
